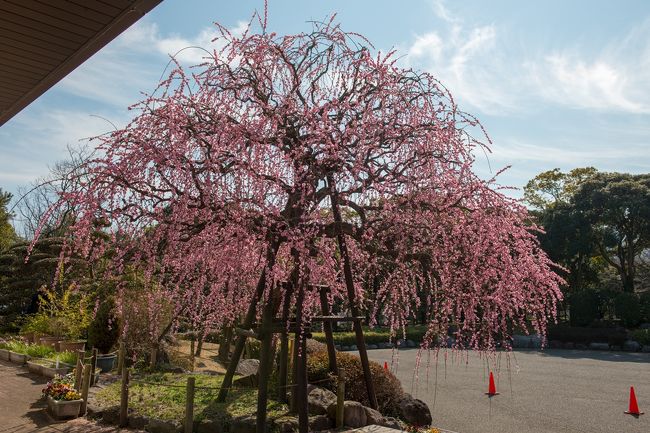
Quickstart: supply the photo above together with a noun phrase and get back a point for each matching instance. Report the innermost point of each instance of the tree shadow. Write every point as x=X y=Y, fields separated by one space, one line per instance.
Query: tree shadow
x=598 y=355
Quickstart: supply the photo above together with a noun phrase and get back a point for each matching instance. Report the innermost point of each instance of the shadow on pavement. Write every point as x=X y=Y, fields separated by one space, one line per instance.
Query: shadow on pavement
x=597 y=355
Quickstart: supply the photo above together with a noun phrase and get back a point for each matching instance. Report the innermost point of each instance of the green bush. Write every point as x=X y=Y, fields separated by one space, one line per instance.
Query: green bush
x=628 y=309
x=387 y=387
x=641 y=335
x=374 y=336
x=39 y=351
x=563 y=333
x=644 y=300
x=583 y=307
x=103 y=331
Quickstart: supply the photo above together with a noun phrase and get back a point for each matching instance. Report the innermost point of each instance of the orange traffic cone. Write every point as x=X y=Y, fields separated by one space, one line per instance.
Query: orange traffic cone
x=492 y=389
x=385 y=366
x=634 y=407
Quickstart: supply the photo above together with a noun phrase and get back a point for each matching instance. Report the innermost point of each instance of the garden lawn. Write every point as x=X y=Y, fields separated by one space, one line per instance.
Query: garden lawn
x=163 y=397
x=374 y=335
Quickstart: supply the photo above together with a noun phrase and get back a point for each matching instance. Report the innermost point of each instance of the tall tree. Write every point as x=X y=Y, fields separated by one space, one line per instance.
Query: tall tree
x=617 y=205
x=7 y=232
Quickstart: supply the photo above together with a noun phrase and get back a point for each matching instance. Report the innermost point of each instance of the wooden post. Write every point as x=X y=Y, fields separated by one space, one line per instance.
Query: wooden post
x=266 y=360
x=192 y=352
x=85 y=385
x=189 y=405
x=121 y=355
x=78 y=372
x=301 y=385
x=349 y=283
x=93 y=366
x=284 y=346
x=327 y=328
x=340 y=398
x=124 y=398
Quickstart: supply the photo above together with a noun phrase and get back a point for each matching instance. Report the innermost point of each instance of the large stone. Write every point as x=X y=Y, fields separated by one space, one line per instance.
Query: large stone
x=160 y=426
x=599 y=346
x=373 y=417
x=393 y=423
x=320 y=423
x=111 y=415
x=247 y=367
x=354 y=414
x=244 y=424
x=286 y=424
x=631 y=346
x=210 y=426
x=138 y=422
x=319 y=400
x=414 y=411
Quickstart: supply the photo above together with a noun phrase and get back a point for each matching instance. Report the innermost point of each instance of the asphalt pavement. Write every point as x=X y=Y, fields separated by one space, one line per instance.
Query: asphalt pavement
x=549 y=391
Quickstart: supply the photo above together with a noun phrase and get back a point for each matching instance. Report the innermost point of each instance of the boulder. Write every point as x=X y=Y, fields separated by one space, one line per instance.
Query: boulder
x=160 y=426
x=209 y=426
x=320 y=423
x=631 y=346
x=287 y=424
x=354 y=414
x=373 y=417
x=414 y=411
x=393 y=423
x=319 y=400
x=138 y=422
x=411 y=343
x=244 y=424
x=247 y=367
x=599 y=346
x=111 y=415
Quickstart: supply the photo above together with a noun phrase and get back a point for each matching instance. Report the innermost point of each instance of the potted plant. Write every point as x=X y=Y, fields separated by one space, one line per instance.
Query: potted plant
x=63 y=401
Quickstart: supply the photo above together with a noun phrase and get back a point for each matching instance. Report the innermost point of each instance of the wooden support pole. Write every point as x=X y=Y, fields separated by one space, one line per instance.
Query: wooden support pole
x=340 y=398
x=124 y=399
x=93 y=366
x=327 y=328
x=121 y=355
x=266 y=364
x=189 y=405
x=78 y=371
x=284 y=346
x=349 y=283
x=303 y=410
x=248 y=321
x=85 y=385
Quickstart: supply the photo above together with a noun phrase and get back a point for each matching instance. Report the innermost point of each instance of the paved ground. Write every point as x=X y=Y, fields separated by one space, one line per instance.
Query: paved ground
x=563 y=391
x=22 y=411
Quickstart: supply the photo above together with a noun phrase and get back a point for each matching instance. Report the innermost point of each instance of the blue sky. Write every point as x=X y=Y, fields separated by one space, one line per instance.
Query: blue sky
x=555 y=83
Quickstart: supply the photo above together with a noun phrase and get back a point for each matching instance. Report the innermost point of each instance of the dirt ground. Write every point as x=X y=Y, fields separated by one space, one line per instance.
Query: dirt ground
x=207 y=362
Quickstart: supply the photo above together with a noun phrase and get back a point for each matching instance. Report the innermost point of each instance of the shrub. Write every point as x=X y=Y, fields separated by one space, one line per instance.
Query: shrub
x=583 y=307
x=642 y=336
x=314 y=346
x=39 y=351
x=387 y=387
x=612 y=336
x=103 y=330
x=628 y=309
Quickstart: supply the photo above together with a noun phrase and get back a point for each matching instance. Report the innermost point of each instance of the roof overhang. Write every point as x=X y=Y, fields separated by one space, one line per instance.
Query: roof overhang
x=43 y=41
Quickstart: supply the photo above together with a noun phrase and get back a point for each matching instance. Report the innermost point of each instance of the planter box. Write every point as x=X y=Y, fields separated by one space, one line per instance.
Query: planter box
x=51 y=370
x=48 y=341
x=35 y=367
x=70 y=346
x=4 y=354
x=64 y=409
x=18 y=358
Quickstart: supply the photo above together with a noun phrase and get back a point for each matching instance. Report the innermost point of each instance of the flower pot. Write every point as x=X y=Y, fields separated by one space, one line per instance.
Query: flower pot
x=48 y=341
x=18 y=358
x=35 y=367
x=4 y=354
x=106 y=362
x=71 y=346
x=64 y=408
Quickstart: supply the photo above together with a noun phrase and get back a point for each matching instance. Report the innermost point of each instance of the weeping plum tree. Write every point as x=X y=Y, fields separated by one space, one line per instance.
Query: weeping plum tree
x=309 y=158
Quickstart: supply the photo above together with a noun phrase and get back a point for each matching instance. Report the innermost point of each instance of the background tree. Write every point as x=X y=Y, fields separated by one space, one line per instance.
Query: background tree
x=7 y=232
x=617 y=205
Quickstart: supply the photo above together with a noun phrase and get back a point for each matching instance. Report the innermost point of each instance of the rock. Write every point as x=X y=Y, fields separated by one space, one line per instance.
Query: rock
x=286 y=424
x=320 y=423
x=243 y=424
x=393 y=423
x=354 y=414
x=411 y=343
x=138 y=422
x=414 y=411
x=599 y=346
x=247 y=367
x=631 y=346
x=581 y=346
x=249 y=381
x=111 y=415
x=555 y=344
x=160 y=426
x=373 y=417
x=319 y=400
x=209 y=426
x=568 y=345
x=94 y=411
